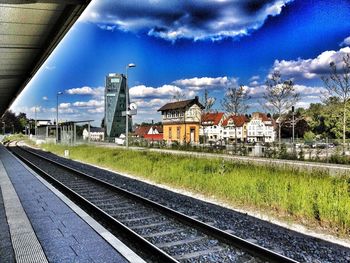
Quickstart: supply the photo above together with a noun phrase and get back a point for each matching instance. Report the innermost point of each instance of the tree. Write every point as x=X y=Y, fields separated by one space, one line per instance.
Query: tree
x=279 y=96
x=326 y=118
x=300 y=124
x=338 y=85
x=178 y=95
x=207 y=103
x=315 y=118
x=331 y=116
x=235 y=102
x=14 y=122
x=309 y=136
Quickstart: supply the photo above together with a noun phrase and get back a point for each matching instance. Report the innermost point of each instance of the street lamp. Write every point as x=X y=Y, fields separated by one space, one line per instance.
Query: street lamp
x=131 y=65
x=293 y=129
x=58 y=93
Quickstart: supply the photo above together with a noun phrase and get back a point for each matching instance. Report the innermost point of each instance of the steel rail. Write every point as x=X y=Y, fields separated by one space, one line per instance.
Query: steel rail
x=221 y=235
x=108 y=220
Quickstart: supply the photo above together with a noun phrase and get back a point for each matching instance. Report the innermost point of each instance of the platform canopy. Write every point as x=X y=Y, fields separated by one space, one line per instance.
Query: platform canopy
x=29 y=31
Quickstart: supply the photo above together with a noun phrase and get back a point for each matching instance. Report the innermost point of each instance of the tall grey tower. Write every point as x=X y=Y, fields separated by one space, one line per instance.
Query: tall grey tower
x=114 y=106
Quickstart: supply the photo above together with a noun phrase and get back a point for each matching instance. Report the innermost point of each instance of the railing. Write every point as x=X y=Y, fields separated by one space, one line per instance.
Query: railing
x=314 y=151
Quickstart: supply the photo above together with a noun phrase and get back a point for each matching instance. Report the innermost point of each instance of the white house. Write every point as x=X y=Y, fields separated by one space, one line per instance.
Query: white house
x=235 y=126
x=261 y=128
x=96 y=134
x=211 y=126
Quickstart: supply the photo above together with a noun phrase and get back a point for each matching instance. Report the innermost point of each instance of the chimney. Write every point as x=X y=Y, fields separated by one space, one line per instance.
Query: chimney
x=196 y=99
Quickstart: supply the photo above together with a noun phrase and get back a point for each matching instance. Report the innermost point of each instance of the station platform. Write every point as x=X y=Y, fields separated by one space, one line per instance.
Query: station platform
x=39 y=224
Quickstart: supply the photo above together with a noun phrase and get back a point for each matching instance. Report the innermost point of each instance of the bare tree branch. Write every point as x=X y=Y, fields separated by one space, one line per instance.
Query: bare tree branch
x=279 y=97
x=235 y=102
x=338 y=85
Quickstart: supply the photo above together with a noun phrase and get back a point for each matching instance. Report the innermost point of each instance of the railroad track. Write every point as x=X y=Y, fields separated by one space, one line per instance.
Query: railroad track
x=158 y=233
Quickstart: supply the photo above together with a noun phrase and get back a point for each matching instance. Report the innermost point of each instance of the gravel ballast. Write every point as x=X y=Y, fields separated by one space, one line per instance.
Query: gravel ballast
x=292 y=244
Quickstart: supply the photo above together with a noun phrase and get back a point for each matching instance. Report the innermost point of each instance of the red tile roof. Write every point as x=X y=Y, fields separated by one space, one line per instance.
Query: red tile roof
x=212 y=118
x=141 y=131
x=263 y=117
x=238 y=120
x=159 y=128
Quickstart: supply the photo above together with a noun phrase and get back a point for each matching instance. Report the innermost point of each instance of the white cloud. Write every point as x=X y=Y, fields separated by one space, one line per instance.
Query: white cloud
x=90 y=103
x=67 y=110
x=99 y=91
x=153 y=103
x=307 y=90
x=150 y=99
x=255 y=78
x=96 y=110
x=310 y=68
x=254 y=83
x=172 y=20
x=64 y=105
x=346 y=42
x=256 y=90
x=204 y=82
x=142 y=91
x=45 y=98
x=307 y=93
x=34 y=109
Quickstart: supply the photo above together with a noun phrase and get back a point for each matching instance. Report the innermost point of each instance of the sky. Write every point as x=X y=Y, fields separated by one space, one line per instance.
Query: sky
x=185 y=47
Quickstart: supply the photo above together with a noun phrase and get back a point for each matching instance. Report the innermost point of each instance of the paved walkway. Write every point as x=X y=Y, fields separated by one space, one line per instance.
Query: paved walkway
x=6 y=251
x=41 y=226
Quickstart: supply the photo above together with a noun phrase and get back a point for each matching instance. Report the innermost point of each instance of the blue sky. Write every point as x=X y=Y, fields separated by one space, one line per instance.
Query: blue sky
x=188 y=46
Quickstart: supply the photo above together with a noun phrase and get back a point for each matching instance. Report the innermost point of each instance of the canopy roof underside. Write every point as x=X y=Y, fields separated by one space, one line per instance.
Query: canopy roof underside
x=29 y=31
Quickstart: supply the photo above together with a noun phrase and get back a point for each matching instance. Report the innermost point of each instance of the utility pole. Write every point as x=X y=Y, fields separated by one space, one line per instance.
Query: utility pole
x=293 y=128
x=58 y=93
x=131 y=65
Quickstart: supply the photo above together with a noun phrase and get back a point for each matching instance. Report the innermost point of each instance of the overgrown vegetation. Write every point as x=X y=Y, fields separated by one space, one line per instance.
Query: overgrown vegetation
x=15 y=137
x=313 y=198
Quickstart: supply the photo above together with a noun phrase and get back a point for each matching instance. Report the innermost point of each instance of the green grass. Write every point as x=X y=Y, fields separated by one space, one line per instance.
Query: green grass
x=314 y=198
x=15 y=137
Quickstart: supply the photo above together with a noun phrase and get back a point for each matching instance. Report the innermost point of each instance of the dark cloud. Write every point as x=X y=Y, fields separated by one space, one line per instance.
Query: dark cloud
x=254 y=6
x=171 y=20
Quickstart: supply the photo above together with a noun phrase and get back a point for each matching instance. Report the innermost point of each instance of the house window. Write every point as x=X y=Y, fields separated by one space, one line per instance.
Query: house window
x=170 y=133
x=178 y=133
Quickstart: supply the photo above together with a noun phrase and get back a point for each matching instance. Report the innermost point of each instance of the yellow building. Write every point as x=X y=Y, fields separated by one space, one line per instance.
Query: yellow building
x=181 y=121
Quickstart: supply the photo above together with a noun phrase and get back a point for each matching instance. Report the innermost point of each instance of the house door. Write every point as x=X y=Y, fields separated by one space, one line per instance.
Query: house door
x=193 y=135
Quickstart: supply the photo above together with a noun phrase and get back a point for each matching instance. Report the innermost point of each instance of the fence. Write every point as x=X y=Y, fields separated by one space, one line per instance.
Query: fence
x=322 y=151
